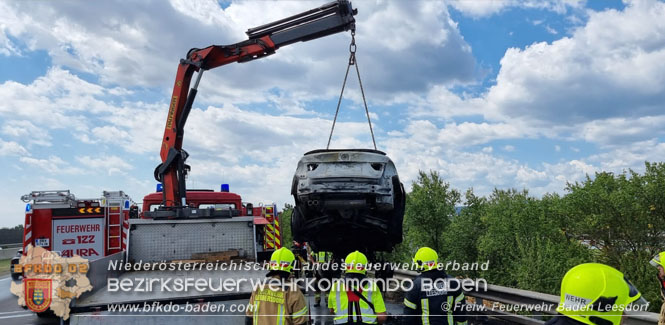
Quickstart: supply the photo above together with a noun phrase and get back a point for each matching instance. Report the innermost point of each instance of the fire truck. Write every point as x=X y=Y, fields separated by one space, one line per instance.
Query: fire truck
x=90 y=228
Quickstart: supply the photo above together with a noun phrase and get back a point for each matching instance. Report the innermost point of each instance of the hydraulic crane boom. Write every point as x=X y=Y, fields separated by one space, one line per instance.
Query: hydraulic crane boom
x=328 y=19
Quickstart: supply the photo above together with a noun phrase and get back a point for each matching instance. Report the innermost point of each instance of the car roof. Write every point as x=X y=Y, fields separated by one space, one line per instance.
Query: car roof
x=344 y=150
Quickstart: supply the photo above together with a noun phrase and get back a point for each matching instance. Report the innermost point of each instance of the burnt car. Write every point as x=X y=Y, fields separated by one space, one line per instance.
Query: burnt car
x=346 y=200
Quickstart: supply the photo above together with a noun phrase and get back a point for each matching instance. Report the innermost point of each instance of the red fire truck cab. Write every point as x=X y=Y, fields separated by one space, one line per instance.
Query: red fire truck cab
x=200 y=199
x=90 y=228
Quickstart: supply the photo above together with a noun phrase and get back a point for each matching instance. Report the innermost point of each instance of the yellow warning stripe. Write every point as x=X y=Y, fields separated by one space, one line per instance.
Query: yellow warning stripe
x=278 y=237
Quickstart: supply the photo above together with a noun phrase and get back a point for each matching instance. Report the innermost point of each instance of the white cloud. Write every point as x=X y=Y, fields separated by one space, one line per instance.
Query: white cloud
x=127 y=46
x=551 y=30
x=111 y=164
x=622 y=131
x=608 y=68
x=603 y=84
x=25 y=130
x=54 y=165
x=54 y=101
x=109 y=134
x=479 y=9
x=11 y=148
x=630 y=156
x=508 y=148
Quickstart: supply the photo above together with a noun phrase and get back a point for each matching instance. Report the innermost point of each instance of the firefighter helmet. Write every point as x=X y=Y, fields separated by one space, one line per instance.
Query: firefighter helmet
x=658 y=260
x=282 y=260
x=595 y=293
x=426 y=259
x=356 y=262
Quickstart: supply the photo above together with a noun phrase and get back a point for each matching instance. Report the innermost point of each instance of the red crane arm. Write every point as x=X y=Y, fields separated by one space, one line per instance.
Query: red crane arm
x=264 y=40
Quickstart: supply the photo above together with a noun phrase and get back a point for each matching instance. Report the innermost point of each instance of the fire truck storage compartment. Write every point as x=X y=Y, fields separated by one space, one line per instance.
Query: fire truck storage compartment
x=168 y=240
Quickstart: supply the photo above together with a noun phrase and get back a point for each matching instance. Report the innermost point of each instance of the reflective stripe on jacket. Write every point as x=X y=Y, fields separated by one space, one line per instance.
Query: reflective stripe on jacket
x=440 y=303
x=338 y=300
x=269 y=307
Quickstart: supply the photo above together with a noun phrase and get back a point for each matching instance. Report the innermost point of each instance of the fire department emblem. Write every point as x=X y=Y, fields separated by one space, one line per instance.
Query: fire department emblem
x=38 y=294
x=50 y=281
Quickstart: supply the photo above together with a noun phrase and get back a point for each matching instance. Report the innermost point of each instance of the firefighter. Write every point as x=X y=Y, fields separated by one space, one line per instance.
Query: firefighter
x=594 y=294
x=435 y=298
x=286 y=305
x=659 y=262
x=319 y=259
x=355 y=299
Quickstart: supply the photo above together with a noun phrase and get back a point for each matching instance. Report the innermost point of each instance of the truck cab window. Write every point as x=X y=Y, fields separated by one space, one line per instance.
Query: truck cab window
x=218 y=206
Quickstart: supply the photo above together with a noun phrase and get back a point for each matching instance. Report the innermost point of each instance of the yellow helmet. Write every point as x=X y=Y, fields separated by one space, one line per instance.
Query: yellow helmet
x=282 y=260
x=658 y=260
x=426 y=259
x=595 y=293
x=356 y=262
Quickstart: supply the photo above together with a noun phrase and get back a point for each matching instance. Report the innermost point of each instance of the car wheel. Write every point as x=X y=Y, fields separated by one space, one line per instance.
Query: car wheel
x=297 y=222
x=15 y=275
x=395 y=230
x=46 y=314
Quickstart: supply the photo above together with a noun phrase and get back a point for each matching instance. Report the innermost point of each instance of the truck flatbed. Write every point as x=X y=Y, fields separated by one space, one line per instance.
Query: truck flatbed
x=149 y=273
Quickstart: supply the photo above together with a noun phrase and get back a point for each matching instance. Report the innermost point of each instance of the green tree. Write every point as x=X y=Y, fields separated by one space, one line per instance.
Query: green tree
x=532 y=242
x=462 y=235
x=622 y=218
x=524 y=243
x=11 y=235
x=430 y=207
x=285 y=225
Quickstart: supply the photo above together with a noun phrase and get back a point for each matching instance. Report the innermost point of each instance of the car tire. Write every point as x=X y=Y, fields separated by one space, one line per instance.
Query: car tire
x=46 y=314
x=396 y=222
x=15 y=275
x=297 y=223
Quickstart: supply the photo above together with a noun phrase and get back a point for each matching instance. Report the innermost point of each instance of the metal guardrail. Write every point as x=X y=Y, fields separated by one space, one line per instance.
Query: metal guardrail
x=523 y=298
x=14 y=245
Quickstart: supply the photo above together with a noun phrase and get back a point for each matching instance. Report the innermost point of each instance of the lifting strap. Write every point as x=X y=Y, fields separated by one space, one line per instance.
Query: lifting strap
x=354 y=62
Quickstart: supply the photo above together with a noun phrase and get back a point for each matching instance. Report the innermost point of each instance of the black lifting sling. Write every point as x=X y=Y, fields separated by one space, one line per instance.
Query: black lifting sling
x=356 y=305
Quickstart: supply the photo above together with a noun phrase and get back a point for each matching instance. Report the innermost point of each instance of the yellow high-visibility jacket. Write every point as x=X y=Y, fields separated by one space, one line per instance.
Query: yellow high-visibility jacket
x=339 y=302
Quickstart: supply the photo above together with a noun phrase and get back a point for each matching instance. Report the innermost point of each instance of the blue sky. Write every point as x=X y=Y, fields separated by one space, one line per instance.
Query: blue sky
x=491 y=94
